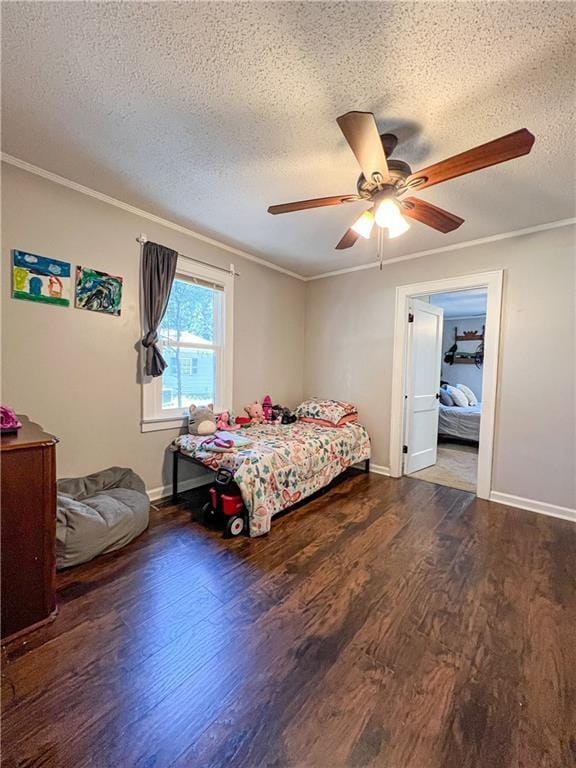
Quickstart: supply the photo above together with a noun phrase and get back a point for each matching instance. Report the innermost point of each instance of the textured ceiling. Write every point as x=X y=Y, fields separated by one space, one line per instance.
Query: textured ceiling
x=206 y=113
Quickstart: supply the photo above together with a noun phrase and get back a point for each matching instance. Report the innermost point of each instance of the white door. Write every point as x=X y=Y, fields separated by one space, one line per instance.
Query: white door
x=423 y=382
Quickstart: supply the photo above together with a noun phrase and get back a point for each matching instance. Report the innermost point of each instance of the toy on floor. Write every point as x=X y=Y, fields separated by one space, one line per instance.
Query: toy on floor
x=225 y=507
x=201 y=420
x=255 y=411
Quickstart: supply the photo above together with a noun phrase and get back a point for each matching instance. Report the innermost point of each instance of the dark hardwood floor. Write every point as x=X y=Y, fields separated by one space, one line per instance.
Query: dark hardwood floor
x=396 y=624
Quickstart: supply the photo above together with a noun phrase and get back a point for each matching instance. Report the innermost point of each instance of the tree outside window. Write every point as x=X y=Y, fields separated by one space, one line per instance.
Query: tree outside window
x=187 y=334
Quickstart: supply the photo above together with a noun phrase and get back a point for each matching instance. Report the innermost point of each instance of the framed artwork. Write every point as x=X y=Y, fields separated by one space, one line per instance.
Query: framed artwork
x=98 y=291
x=38 y=278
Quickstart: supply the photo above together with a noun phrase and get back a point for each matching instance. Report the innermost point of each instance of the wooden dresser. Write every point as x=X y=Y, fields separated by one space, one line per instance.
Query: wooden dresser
x=28 y=528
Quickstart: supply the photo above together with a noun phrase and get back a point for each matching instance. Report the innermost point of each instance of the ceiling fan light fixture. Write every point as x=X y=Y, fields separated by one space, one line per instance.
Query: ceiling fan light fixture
x=364 y=224
x=397 y=229
x=388 y=215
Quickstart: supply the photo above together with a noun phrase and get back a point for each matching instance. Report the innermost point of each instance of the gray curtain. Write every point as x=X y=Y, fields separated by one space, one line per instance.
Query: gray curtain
x=158 y=270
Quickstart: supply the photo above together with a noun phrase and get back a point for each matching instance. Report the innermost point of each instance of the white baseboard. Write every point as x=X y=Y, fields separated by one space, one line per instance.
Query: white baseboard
x=542 y=507
x=379 y=470
x=163 y=491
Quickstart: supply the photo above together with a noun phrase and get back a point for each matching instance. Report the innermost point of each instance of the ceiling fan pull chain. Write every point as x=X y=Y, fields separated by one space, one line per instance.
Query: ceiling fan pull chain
x=380 y=245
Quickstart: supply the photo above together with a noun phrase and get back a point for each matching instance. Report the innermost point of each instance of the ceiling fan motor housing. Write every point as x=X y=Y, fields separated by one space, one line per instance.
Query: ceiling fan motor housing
x=399 y=172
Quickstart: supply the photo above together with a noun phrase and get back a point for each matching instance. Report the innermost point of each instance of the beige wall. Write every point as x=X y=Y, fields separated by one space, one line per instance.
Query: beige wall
x=75 y=372
x=349 y=339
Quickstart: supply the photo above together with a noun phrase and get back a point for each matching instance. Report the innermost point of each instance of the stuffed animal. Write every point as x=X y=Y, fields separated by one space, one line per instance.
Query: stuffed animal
x=267 y=407
x=9 y=422
x=254 y=410
x=201 y=420
x=288 y=417
x=224 y=422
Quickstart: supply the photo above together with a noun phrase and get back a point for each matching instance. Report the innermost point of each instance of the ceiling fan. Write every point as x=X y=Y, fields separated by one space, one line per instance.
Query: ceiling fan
x=384 y=181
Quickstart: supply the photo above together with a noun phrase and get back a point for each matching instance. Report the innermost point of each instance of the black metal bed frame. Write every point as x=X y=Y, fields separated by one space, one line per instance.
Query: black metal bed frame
x=177 y=455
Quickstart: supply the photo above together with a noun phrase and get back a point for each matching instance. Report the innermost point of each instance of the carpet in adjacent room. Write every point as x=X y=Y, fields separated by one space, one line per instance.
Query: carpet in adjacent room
x=456 y=467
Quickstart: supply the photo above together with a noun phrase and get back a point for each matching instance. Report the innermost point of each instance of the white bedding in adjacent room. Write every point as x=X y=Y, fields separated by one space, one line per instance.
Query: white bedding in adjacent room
x=459 y=421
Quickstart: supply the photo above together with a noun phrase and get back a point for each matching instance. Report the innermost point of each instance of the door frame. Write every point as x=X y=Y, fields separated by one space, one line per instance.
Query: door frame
x=492 y=282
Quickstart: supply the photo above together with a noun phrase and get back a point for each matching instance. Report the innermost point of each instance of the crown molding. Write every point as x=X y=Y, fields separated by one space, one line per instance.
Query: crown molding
x=23 y=165
x=444 y=249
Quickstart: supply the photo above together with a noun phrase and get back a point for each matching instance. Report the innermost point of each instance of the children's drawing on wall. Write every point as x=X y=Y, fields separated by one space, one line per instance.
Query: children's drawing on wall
x=98 y=291
x=38 y=278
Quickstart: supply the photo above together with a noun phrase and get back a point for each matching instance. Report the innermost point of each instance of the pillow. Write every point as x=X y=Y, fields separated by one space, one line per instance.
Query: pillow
x=445 y=398
x=458 y=396
x=351 y=418
x=329 y=410
x=472 y=399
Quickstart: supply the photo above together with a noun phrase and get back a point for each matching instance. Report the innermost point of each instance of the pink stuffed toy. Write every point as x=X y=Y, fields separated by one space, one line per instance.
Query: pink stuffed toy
x=223 y=422
x=254 y=410
x=9 y=422
x=267 y=407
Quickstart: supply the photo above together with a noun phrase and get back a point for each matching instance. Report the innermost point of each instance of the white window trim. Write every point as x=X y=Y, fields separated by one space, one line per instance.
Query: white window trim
x=152 y=386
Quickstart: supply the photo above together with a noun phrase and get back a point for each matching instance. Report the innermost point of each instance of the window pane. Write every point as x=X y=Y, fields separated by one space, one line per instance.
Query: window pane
x=189 y=378
x=190 y=314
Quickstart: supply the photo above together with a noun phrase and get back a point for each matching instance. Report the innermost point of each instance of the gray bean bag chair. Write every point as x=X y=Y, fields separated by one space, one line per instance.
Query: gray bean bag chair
x=98 y=513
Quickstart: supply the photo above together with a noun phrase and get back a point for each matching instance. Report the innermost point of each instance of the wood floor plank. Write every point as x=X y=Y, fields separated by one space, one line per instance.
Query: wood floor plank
x=384 y=623
x=282 y=617
x=332 y=616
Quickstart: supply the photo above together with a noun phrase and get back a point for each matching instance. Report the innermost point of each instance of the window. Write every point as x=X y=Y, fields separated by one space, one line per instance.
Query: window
x=183 y=364
x=189 y=366
x=195 y=338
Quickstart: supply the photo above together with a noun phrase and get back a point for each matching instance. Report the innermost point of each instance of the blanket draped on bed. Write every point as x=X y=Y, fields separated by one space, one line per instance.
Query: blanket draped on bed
x=284 y=464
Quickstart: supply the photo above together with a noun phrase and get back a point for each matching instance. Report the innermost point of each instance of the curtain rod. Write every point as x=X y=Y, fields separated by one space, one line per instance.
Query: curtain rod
x=142 y=239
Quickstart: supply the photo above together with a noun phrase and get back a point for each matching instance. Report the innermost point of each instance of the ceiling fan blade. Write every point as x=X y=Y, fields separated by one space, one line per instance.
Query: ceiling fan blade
x=498 y=151
x=429 y=214
x=361 y=133
x=347 y=240
x=317 y=202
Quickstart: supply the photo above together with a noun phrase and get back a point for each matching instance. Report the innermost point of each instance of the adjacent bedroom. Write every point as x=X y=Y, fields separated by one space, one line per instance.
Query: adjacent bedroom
x=460 y=390
x=287 y=386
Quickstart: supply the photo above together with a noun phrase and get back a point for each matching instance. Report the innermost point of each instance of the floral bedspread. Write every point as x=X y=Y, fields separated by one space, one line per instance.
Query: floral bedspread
x=284 y=464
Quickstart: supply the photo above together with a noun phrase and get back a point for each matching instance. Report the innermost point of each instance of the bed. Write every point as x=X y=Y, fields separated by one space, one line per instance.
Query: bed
x=462 y=422
x=284 y=464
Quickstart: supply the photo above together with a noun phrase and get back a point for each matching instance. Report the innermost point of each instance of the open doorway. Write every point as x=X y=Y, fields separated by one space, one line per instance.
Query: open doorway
x=446 y=334
x=459 y=392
